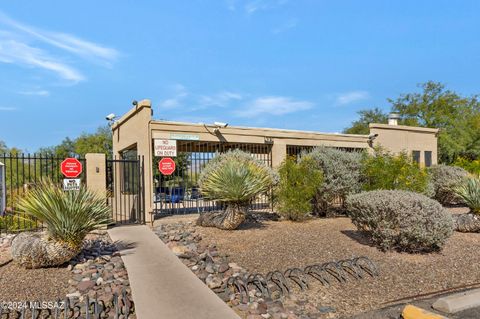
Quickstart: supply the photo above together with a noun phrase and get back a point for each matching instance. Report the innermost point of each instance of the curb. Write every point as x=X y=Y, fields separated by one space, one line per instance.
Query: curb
x=412 y=312
x=458 y=302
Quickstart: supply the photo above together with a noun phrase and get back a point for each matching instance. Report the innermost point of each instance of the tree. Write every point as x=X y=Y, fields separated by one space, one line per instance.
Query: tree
x=98 y=142
x=3 y=147
x=457 y=117
x=360 y=126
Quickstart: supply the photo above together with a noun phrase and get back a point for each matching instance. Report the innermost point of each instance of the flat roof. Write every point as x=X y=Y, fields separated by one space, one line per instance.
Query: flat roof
x=404 y=128
x=257 y=128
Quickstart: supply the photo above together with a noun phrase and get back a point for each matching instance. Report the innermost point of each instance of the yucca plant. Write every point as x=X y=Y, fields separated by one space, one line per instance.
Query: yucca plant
x=234 y=179
x=67 y=216
x=469 y=192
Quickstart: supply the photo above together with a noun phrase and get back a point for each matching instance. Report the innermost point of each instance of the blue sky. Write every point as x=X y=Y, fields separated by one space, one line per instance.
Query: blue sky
x=304 y=64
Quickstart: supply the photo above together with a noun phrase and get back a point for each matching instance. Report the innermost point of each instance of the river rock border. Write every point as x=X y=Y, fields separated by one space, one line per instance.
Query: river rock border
x=98 y=271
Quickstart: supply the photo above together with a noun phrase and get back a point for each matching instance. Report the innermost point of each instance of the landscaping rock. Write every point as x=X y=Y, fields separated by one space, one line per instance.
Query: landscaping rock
x=98 y=270
x=214 y=270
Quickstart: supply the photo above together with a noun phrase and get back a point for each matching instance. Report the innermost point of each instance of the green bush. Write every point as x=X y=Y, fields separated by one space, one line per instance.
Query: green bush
x=235 y=179
x=472 y=166
x=298 y=184
x=67 y=216
x=383 y=170
x=341 y=177
x=469 y=192
x=445 y=179
x=401 y=220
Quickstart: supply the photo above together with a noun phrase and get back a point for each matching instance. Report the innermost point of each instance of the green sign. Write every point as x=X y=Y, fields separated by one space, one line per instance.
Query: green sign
x=186 y=137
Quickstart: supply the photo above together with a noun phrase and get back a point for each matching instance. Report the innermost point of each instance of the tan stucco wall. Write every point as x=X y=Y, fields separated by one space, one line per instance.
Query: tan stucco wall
x=133 y=131
x=398 y=138
x=96 y=172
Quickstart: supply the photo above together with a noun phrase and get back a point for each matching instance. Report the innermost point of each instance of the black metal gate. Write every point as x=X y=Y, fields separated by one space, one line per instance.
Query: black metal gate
x=179 y=193
x=125 y=190
x=23 y=171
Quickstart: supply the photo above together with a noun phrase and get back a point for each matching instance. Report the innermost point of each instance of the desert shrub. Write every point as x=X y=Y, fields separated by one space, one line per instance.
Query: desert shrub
x=235 y=179
x=401 y=220
x=297 y=186
x=469 y=193
x=383 y=170
x=470 y=165
x=341 y=177
x=444 y=180
x=68 y=218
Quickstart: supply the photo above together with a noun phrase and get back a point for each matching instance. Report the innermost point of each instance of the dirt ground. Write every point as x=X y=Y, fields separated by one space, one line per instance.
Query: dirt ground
x=280 y=245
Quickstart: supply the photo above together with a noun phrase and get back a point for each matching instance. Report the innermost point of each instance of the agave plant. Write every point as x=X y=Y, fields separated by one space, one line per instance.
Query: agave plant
x=234 y=179
x=469 y=192
x=68 y=218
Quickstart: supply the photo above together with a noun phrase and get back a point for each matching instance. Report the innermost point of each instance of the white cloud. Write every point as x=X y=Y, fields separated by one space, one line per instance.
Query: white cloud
x=181 y=96
x=350 y=97
x=29 y=46
x=64 y=41
x=35 y=92
x=273 y=105
x=15 y=52
x=221 y=99
x=180 y=92
x=7 y=109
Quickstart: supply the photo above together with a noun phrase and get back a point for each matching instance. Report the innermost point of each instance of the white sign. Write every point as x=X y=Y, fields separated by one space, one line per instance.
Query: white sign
x=186 y=137
x=71 y=184
x=165 y=148
x=3 y=190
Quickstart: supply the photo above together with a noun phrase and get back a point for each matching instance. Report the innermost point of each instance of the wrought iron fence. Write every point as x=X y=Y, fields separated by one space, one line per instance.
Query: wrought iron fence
x=117 y=306
x=179 y=193
x=23 y=171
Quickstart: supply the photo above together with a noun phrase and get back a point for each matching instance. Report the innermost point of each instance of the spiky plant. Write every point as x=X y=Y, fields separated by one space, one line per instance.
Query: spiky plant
x=235 y=179
x=68 y=218
x=469 y=192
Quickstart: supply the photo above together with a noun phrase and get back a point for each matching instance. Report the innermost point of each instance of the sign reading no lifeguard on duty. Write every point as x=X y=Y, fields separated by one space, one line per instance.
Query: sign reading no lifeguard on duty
x=71 y=167
x=164 y=147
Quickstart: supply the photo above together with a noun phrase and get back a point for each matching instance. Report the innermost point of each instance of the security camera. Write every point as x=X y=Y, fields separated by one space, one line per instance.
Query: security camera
x=372 y=136
x=134 y=103
x=220 y=124
x=110 y=117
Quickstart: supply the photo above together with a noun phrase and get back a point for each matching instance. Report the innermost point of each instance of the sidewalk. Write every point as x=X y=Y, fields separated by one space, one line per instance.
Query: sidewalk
x=162 y=287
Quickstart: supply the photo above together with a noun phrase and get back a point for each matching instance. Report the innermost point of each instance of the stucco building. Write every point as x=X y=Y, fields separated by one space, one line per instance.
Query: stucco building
x=135 y=132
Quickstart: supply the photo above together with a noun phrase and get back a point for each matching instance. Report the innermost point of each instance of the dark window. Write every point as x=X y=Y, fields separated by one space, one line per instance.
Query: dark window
x=416 y=156
x=428 y=158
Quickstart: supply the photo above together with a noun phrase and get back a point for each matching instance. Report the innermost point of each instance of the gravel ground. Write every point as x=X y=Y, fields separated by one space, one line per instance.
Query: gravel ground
x=98 y=271
x=280 y=245
x=45 y=284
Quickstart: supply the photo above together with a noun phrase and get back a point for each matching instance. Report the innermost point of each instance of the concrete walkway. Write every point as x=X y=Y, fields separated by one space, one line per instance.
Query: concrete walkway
x=163 y=287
